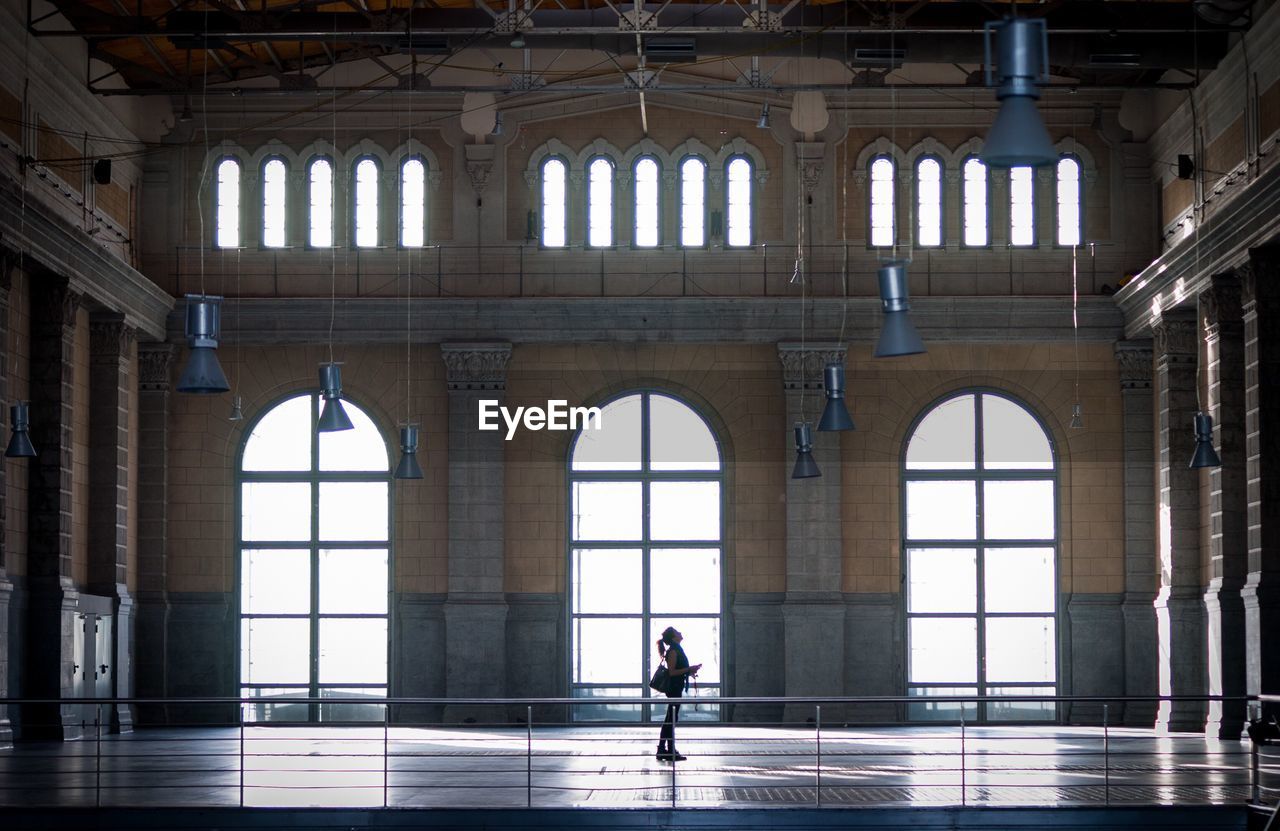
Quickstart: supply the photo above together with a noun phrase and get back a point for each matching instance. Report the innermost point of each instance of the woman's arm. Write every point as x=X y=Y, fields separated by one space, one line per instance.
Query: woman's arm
x=676 y=673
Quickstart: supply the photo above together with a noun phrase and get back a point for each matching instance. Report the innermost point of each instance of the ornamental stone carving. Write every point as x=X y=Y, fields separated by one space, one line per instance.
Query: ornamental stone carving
x=478 y=172
x=154 y=360
x=802 y=366
x=476 y=366
x=1134 y=358
x=1220 y=306
x=1175 y=340
x=109 y=338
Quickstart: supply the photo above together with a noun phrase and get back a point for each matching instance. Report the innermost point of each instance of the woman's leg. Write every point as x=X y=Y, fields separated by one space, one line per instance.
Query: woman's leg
x=668 y=734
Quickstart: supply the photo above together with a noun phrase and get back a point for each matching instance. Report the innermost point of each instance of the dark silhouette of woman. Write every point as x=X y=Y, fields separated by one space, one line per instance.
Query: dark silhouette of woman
x=679 y=672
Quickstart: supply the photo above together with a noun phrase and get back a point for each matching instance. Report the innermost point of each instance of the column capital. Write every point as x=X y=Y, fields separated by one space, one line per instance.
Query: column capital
x=56 y=302
x=1220 y=305
x=1134 y=358
x=1258 y=281
x=475 y=366
x=1175 y=338
x=109 y=337
x=802 y=365
x=154 y=360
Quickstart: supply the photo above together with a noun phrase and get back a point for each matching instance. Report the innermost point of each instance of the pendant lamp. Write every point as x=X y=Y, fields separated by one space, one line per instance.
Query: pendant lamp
x=203 y=374
x=897 y=336
x=20 y=446
x=1077 y=417
x=1204 y=455
x=835 y=416
x=806 y=467
x=237 y=410
x=1018 y=137
x=409 y=467
x=333 y=417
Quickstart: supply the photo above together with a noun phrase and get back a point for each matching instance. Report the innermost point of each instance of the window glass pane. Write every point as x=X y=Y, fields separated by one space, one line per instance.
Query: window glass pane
x=227 y=226
x=606 y=510
x=929 y=202
x=1019 y=579
x=605 y=711
x=279 y=511
x=1022 y=710
x=701 y=643
x=374 y=711
x=1068 y=202
x=353 y=651
x=361 y=448
x=684 y=510
x=1020 y=649
x=413 y=203
x=607 y=581
x=693 y=202
x=274 y=186
x=684 y=580
x=366 y=203
x=553 y=203
x=739 y=201
x=275 y=581
x=678 y=437
x=1011 y=437
x=942 y=580
x=275 y=706
x=353 y=581
x=1022 y=207
x=883 y=226
x=975 y=203
x=944 y=439
x=275 y=651
x=281 y=440
x=943 y=650
x=616 y=445
x=646 y=184
x=1016 y=510
x=320 y=176
x=942 y=710
x=600 y=203
x=606 y=650
x=353 y=511
x=941 y=510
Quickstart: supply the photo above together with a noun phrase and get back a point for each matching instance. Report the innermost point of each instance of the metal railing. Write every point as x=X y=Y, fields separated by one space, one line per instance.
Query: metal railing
x=435 y=752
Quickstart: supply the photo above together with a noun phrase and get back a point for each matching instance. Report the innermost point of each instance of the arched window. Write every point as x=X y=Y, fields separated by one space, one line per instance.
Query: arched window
x=600 y=203
x=645 y=177
x=313 y=541
x=1022 y=206
x=365 y=211
x=554 y=203
x=645 y=517
x=980 y=544
x=413 y=203
x=976 y=214
x=320 y=208
x=928 y=202
x=884 y=227
x=1069 y=201
x=275 y=176
x=693 y=202
x=227 y=203
x=738 y=201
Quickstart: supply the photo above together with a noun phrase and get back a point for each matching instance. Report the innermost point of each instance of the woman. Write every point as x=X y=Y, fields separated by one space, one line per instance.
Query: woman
x=679 y=672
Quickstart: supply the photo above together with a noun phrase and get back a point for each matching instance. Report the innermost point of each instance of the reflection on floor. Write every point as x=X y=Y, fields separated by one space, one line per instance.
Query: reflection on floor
x=727 y=766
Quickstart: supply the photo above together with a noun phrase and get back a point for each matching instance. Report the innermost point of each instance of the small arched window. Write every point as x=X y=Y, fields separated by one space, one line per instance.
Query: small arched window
x=645 y=177
x=274 y=202
x=1022 y=206
x=554 y=202
x=366 y=203
x=413 y=203
x=600 y=203
x=883 y=221
x=928 y=202
x=738 y=201
x=976 y=215
x=693 y=202
x=320 y=194
x=227 y=203
x=1069 y=190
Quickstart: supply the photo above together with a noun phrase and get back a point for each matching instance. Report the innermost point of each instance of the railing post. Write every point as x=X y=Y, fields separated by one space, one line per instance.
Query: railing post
x=97 y=755
x=528 y=753
x=1255 y=789
x=673 y=766
x=964 y=790
x=1106 y=755
x=817 y=723
x=386 y=748
x=241 y=719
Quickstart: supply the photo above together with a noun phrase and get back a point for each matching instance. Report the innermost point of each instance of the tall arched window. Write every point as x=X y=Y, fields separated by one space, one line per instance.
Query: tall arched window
x=227 y=204
x=554 y=203
x=738 y=174
x=365 y=208
x=413 y=203
x=645 y=177
x=693 y=202
x=976 y=213
x=275 y=176
x=980 y=542
x=320 y=207
x=928 y=202
x=1069 y=191
x=645 y=551
x=1022 y=206
x=313 y=540
x=600 y=203
x=884 y=227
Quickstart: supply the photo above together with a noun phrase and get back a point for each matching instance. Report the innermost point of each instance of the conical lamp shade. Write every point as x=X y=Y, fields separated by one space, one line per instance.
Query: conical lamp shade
x=1204 y=455
x=408 y=467
x=806 y=467
x=333 y=417
x=20 y=446
x=897 y=336
x=203 y=374
x=835 y=416
x=237 y=410
x=1018 y=137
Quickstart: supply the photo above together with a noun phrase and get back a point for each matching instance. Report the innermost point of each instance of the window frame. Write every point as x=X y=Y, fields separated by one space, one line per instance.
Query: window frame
x=660 y=214
x=613 y=202
x=942 y=200
x=542 y=202
x=1035 y=224
x=751 y=203
x=870 y=200
x=217 y=193
x=353 y=203
x=964 y=202
x=333 y=201
x=706 y=206
x=262 y=203
x=1057 y=187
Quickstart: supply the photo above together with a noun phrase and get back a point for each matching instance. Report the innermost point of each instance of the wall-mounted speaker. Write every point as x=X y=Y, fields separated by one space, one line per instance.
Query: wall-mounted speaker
x=102 y=171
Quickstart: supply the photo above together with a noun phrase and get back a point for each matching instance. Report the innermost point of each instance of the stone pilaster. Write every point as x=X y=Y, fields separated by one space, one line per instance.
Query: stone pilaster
x=1221 y=317
x=152 y=620
x=8 y=262
x=475 y=612
x=1180 y=623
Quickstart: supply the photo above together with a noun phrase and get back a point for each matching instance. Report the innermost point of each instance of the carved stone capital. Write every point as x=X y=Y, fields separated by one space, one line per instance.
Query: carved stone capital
x=1220 y=306
x=9 y=260
x=109 y=338
x=810 y=175
x=1175 y=339
x=476 y=366
x=154 y=361
x=479 y=172
x=1259 y=289
x=1134 y=358
x=802 y=366
x=55 y=302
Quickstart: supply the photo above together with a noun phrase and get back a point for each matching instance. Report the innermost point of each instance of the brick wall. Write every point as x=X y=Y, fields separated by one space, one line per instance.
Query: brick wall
x=19 y=368
x=131 y=534
x=80 y=454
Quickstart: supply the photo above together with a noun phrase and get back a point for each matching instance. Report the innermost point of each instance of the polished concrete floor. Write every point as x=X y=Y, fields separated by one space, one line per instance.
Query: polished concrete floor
x=727 y=766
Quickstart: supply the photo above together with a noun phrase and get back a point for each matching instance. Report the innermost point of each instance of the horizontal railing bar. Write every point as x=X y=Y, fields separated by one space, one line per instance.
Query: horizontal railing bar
x=641 y=701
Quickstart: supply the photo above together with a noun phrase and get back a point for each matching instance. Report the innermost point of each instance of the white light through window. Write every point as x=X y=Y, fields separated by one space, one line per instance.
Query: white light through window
x=320 y=184
x=274 y=176
x=693 y=203
x=227 y=226
x=739 y=202
x=553 y=203
x=600 y=204
x=1022 y=206
x=366 y=203
x=928 y=202
x=975 y=203
x=413 y=203
x=883 y=226
x=646 y=184
x=1068 y=201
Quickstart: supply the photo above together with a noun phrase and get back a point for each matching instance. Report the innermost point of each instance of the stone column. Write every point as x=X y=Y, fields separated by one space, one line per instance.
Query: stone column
x=1220 y=314
x=8 y=262
x=1261 y=594
x=475 y=611
x=1137 y=401
x=152 y=617
x=1180 y=624
x=813 y=610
